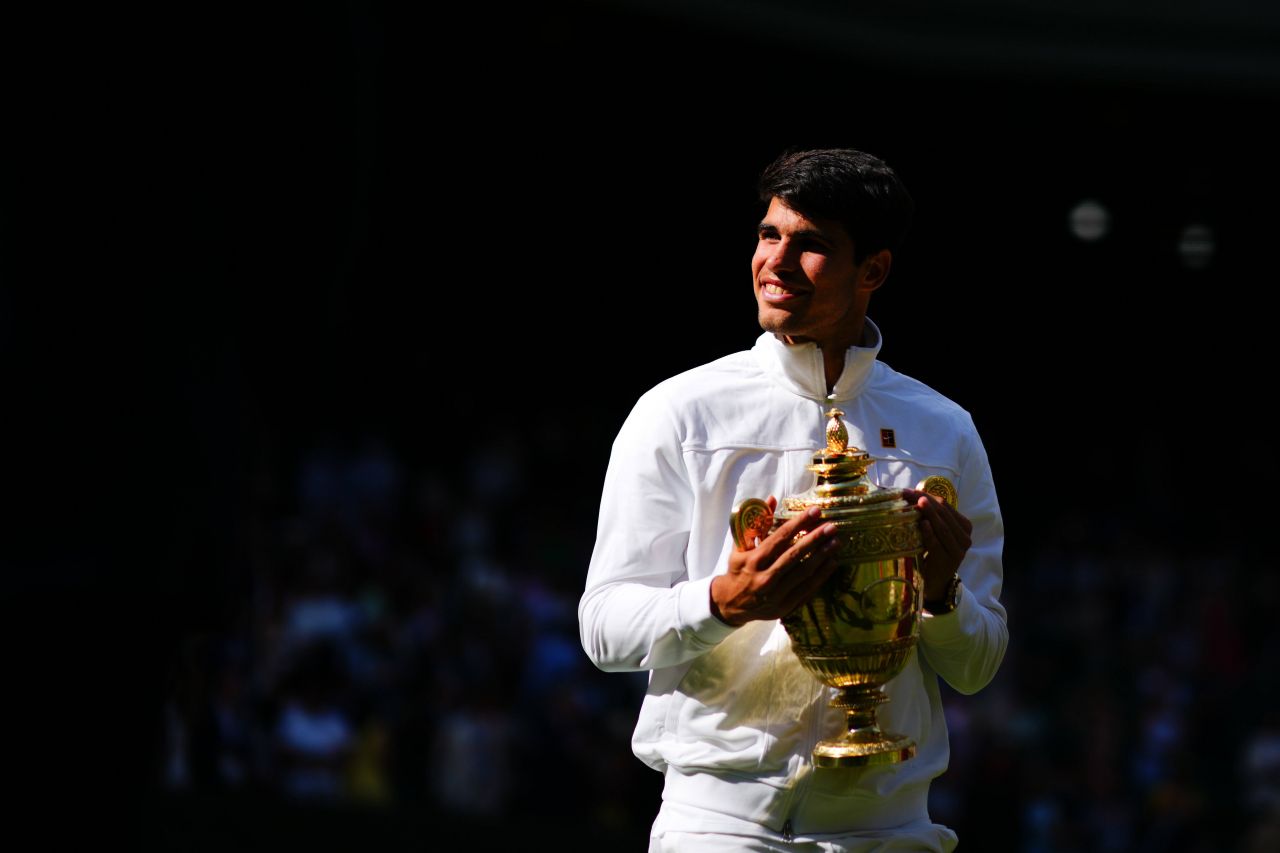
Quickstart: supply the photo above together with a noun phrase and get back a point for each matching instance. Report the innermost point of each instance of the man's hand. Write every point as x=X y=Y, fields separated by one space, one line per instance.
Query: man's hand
x=946 y=539
x=776 y=576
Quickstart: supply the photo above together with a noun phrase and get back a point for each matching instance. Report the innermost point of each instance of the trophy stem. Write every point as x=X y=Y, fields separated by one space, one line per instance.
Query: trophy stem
x=864 y=743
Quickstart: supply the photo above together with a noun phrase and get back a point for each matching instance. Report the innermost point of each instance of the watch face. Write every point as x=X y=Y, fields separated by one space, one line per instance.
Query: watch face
x=950 y=598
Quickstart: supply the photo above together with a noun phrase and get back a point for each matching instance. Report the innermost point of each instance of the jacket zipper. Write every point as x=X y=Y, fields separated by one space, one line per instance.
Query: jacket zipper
x=799 y=792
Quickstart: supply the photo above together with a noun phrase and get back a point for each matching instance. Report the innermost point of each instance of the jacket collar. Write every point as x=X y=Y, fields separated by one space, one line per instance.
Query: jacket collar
x=798 y=367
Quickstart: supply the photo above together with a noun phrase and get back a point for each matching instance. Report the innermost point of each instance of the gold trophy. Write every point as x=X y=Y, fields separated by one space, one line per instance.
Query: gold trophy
x=858 y=630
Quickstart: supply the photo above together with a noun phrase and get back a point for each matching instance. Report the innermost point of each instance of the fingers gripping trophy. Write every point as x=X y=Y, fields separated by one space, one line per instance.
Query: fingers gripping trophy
x=857 y=632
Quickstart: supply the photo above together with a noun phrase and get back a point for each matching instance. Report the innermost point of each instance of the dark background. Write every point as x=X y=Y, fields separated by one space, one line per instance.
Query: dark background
x=237 y=236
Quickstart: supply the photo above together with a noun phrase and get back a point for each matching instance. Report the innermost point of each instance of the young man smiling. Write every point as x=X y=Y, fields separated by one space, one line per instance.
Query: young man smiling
x=731 y=717
x=809 y=286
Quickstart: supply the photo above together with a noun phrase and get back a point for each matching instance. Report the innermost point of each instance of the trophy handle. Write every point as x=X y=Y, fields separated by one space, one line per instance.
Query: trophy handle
x=750 y=520
x=939 y=486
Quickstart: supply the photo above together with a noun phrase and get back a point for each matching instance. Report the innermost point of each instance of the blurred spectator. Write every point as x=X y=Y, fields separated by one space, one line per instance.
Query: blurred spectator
x=368 y=780
x=471 y=770
x=314 y=738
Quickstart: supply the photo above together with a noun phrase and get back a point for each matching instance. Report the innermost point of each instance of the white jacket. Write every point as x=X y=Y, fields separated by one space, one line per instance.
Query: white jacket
x=730 y=714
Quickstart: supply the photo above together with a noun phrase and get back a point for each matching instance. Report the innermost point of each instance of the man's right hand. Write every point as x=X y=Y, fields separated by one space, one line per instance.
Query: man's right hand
x=776 y=576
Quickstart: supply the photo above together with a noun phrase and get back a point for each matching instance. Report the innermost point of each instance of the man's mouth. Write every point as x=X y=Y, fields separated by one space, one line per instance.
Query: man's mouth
x=777 y=292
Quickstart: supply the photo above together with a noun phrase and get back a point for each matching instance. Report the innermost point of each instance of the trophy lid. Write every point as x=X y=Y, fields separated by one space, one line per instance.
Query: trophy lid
x=842 y=486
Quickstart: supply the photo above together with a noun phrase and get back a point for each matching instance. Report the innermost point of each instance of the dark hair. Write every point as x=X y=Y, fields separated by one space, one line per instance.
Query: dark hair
x=857 y=189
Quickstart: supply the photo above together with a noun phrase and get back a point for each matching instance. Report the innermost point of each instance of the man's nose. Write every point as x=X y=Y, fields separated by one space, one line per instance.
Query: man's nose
x=783 y=256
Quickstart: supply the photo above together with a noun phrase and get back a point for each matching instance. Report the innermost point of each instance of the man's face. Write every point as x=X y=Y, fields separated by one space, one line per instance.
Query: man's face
x=807 y=285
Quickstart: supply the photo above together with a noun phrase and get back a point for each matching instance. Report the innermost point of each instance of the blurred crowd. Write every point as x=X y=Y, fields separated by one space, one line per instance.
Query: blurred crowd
x=408 y=645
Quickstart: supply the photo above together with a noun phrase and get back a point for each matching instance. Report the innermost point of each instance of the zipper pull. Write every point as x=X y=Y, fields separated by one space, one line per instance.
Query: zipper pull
x=787 y=834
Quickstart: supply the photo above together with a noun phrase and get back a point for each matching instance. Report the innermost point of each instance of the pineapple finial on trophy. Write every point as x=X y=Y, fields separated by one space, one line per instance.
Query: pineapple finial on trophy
x=841 y=467
x=837 y=433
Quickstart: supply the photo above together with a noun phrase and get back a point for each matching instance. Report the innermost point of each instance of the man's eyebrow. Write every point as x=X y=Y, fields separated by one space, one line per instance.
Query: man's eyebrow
x=803 y=232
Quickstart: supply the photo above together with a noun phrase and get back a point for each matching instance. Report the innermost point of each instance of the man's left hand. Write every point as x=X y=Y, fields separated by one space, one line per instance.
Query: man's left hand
x=946 y=540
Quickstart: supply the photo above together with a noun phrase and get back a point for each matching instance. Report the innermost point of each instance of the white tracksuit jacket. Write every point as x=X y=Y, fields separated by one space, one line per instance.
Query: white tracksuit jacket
x=730 y=715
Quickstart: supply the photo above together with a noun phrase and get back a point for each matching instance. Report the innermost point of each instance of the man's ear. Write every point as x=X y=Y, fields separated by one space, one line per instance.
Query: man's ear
x=873 y=270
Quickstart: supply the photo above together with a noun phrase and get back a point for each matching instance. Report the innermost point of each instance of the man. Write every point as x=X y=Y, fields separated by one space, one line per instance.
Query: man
x=730 y=716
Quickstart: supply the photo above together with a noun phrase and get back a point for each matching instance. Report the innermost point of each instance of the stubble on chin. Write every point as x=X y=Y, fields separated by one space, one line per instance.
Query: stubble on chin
x=781 y=329
x=770 y=322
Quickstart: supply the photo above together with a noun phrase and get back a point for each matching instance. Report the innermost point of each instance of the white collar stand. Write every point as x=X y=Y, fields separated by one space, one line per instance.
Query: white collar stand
x=799 y=369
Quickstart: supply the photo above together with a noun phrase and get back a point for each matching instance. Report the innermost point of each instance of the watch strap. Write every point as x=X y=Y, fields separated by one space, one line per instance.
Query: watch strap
x=950 y=599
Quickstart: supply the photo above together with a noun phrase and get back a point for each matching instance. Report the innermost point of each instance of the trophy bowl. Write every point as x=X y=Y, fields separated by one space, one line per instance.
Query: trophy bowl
x=857 y=632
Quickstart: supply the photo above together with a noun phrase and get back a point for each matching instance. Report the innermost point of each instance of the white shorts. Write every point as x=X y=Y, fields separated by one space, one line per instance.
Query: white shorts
x=725 y=834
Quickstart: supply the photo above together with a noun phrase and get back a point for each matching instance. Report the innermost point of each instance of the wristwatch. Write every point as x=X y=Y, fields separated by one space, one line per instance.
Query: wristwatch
x=950 y=599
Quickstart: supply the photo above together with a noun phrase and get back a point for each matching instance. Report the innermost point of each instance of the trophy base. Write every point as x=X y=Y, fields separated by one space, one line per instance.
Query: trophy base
x=852 y=751
x=864 y=744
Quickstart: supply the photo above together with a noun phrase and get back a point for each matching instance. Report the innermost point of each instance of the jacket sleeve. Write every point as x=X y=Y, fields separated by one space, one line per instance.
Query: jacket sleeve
x=966 y=646
x=640 y=610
